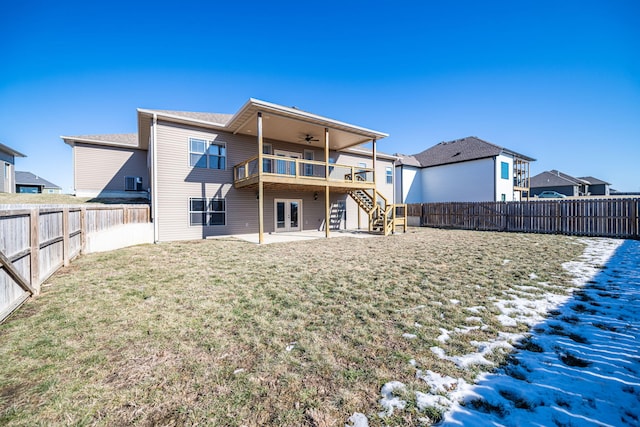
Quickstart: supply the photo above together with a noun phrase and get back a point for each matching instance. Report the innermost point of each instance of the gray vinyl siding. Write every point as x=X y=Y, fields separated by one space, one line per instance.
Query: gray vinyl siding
x=101 y=169
x=177 y=182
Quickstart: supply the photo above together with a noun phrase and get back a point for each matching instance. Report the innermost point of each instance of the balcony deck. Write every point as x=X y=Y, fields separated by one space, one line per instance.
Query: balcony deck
x=309 y=174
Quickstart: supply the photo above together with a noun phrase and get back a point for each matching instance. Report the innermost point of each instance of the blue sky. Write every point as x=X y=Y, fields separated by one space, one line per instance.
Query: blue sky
x=558 y=81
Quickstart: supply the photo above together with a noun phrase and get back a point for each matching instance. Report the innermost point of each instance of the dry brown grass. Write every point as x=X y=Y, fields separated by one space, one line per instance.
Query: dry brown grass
x=197 y=332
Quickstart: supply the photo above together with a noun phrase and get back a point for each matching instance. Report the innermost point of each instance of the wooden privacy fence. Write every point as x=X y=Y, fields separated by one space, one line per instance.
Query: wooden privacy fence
x=35 y=241
x=617 y=218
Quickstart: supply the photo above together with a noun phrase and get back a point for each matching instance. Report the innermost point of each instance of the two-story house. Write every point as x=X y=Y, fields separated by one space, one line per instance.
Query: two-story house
x=265 y=169
x=464 y=170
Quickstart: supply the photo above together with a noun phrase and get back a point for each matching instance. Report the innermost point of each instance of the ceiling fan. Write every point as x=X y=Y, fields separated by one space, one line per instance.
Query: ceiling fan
x=310 y=139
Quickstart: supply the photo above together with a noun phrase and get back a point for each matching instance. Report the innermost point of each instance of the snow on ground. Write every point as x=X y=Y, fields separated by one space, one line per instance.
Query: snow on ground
x=579 y=366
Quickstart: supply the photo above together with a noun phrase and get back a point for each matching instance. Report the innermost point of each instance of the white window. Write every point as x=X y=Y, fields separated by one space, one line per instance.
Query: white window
x=203 y=211
x=133 y=183
x=389 y=175
x=207 y=154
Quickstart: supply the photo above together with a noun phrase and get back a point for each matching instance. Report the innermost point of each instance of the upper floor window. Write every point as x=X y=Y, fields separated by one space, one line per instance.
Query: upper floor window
x=504 y=170
x=207 y=154
x=389 y=174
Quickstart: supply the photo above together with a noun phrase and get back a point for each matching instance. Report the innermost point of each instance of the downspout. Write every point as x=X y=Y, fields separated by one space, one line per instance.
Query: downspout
x=154 y=179
x=495 y=179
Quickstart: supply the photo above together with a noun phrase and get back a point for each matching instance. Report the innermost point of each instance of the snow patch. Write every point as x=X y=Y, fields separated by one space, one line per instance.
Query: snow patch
x=390 y=402
x=358 y=420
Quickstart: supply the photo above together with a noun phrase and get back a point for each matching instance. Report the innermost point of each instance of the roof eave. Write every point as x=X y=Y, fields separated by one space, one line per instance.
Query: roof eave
x=11 y=151
x=236 y=121
x=71 y=140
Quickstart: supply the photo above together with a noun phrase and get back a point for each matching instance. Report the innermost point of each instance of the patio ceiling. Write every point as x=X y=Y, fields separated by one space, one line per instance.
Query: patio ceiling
x=293 y=125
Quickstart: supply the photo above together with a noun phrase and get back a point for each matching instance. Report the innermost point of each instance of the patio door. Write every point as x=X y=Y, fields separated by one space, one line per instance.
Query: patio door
x=286 y=167
x=287 y=214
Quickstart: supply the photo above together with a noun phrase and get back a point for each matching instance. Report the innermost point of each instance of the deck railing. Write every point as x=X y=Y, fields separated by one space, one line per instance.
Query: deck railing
x=302 y=169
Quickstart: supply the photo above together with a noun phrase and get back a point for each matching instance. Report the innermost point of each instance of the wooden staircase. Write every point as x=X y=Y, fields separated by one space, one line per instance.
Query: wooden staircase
x=383 y=217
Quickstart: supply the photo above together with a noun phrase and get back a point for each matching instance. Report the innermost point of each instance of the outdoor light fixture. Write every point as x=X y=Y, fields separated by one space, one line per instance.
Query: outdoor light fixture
x=315 y=196
x=257 y=195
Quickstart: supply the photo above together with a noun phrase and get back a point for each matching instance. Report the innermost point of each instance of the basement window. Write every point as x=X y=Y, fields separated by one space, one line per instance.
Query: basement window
x=203 y=211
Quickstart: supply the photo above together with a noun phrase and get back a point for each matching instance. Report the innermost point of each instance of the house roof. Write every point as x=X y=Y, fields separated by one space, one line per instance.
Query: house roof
x=27 y=178
x=280 y=123
x=594 y=181
x=122 y=139
x=462 y=150
x=554 y=178
x=11 y=151
x=213 y=118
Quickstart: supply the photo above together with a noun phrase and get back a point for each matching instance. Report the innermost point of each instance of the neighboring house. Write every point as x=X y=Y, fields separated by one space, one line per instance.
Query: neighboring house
x=26 y=182
x=266 y=168
x=557 y=181
x=597 y=187
x=568 y=185
x=464 y=170
x=8 y=175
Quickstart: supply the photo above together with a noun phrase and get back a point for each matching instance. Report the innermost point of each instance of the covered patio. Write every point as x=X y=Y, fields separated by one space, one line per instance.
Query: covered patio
x=276 y=170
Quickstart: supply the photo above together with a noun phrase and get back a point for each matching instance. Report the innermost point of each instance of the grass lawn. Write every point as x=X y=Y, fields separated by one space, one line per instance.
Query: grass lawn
x=223 y=332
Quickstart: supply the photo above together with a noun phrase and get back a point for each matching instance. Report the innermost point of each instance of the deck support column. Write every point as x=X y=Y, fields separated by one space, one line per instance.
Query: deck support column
x=260 y=183
x=375 y=172
x=327 y=211
x=327 y=203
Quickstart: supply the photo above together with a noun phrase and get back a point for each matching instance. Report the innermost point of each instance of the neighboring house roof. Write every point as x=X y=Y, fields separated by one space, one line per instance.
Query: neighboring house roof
x=407 y=160
x=362 y=151
x=594 y=181
x=27 y=178
x=462 y=150
x=125 y=139
x=554 y=178
x=11 y=151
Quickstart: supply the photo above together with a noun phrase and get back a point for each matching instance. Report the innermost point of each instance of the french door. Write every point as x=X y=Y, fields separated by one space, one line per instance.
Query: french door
x=287 y=214
x=286 y=167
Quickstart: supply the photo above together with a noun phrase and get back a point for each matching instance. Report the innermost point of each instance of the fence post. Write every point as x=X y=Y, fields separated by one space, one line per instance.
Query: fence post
x=34 y=253
x=83 y=230
x=65 y=236
x=635 y=226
